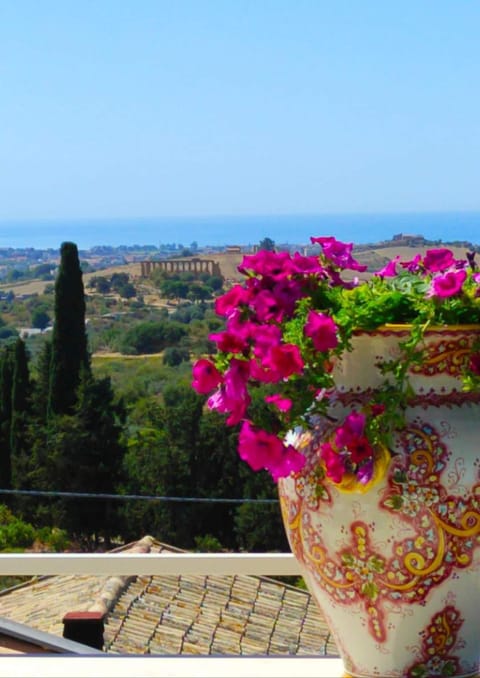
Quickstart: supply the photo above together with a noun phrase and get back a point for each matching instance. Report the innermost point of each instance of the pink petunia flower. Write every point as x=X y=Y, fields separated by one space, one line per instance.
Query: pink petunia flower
x=365 y=472
x=377 y=409
x=322 y=331
x=273 y=265
x=390 y=269
x=264 y=337
x=474 y=364
x=339 y=253
x=287 y=292
x=437 y=260
x=306 y=265
x=232 y=397
x=229 y=302
x=447 y=285
x=229 y=342
x=360 y=450
x=353 y=428
x=206 y=377
x=284 y=359
x=281 y=403
x=266 y=307
x=263 y=450
x=413 y=265
x=334 y=463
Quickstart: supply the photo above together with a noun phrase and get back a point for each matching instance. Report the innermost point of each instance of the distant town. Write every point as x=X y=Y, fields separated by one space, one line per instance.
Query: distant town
x=23 y=263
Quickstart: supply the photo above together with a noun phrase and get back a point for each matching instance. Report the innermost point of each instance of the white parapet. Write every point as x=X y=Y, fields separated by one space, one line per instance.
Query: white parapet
x=272 y=564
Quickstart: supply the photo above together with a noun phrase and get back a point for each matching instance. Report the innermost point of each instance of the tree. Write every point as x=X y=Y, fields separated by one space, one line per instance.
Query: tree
x=174 y=355
x=100 y=284
x=40 y=318
x=20 y=447
x=152 y=337
x=199 y=292
x=20 y=399
x=6 y=383
x=119 y=280
x=87 y=455
x=174 y=289
x=127 y=291
x=14 y=403
x=267 y=244
x=69 y=339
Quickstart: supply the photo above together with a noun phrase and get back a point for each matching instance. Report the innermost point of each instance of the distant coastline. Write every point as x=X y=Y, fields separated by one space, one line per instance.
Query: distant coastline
x=243 y=230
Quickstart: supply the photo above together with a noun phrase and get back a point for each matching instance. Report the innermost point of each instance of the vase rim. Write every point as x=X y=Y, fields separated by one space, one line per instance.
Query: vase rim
x=406 y=327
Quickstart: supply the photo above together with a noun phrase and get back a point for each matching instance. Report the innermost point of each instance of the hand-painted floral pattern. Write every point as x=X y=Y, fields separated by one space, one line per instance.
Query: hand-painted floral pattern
x=439 y=639
x=450 y=357
x=445 y=532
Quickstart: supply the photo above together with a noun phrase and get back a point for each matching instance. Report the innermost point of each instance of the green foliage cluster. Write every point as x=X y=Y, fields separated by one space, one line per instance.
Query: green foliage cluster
x=176 y=448
x=118 y=282
x=187 y=285
x=61 y=428
x=130 y=425
x=151 y=337
x=16 y=534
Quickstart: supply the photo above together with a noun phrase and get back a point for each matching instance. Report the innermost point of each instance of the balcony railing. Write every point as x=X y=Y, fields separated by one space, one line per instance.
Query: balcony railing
x=273 y=564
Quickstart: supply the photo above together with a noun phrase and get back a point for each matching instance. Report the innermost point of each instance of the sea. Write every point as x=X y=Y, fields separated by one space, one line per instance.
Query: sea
x=238 y=230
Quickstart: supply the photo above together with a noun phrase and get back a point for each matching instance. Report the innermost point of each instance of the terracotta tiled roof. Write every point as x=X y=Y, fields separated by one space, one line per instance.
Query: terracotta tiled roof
x=179 y=614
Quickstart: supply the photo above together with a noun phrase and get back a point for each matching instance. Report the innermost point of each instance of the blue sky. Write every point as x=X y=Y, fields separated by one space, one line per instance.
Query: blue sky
x=124 y=108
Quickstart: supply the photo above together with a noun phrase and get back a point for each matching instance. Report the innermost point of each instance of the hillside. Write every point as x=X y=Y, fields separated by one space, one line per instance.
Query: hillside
x=374 y=258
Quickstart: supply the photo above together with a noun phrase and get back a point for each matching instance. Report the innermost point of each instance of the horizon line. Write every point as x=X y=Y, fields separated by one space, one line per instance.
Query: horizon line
x=250 y=215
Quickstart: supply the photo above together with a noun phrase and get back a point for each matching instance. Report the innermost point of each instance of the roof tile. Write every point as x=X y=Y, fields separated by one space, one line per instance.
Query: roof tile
x=179 y=614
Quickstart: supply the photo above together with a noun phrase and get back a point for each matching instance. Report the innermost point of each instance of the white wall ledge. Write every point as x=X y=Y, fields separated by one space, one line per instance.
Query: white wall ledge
x=170 y=667
x=269 y=564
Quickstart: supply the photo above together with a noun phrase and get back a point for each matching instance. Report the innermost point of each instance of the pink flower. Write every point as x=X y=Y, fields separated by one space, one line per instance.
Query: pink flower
x=474 y=364
x=360 y=450
x=262 y=450
x=413 y=265
x=365 y=472
x=264 y=337
x=206 y=377
x=339 y=253
x=232 y=397
x=229 y=342
x=390 y=270
x=231 y=300
x=291 y=461
x=266 y=307
x=438 y=260
x=322 y=331
x=284 y=359
x=353 y=428
x=281 y=403
x=377 y=409
x=447 y=285
x=306 y=265
x=334 y=463
x=287 y=292
x=264 y=374
x=274 y=265
x=336 y=280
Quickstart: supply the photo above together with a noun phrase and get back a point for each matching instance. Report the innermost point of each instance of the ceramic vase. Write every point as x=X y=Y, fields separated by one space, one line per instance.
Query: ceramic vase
x=396 y=570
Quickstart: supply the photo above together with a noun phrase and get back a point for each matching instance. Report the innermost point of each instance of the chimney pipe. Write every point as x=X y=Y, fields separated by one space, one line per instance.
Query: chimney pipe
x=84 y=627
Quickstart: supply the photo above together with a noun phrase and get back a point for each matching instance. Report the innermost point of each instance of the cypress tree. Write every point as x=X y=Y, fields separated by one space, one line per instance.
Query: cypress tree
x=69 y=341
x=6 y=383
x=41 y=385
x=19 y=446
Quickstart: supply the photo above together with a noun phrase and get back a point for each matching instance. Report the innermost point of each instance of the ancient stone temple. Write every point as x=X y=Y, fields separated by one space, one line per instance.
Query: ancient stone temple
x=191 y=265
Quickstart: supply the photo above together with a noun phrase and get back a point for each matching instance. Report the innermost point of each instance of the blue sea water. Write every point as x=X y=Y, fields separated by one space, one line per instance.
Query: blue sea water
x=239 y=230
